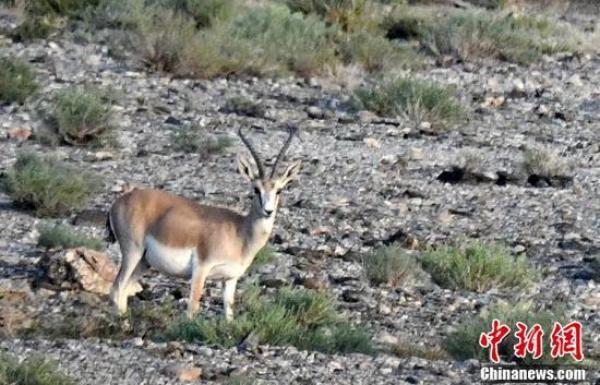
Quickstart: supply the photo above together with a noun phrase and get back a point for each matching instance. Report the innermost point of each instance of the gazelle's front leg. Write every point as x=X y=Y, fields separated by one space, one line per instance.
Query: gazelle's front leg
x=229 y=297
x=199 y=275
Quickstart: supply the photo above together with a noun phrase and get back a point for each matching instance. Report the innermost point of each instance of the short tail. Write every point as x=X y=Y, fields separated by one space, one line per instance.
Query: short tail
x=110 y=237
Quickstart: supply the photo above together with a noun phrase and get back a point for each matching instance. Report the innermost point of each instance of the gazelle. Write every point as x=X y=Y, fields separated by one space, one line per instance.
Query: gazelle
x=179 y=237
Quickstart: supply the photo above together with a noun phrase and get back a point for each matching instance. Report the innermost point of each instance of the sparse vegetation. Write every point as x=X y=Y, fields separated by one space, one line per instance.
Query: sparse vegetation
x=80 y=116
x=263 y=257
x=286 y=41
x=419 y=100
x=544 y=162
x=17 y=81
x=350 y=15
x=407 y=349
x=390 y=265
x=164 y=38
x=243 y=106
x=34 y=28
x=47 y=185
x=477 y=266
x=302 y=318
x=376 y=53
x=463 y=342
x=65 y=236
x=146 y=319
x=191 y=139
x=208 y=12
x=31 y=371
x=470 y=160
x=68 y=8
x=469 y=35
x=44 y=17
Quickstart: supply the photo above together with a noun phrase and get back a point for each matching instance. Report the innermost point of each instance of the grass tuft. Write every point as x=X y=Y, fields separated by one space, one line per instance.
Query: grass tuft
x=196 y=140
x=463 y=343
x=243 y=106
x=143 y=319
x=17 y=81
x=469 y=35
x=376 y=53
x=31 y=371
x=477 y=266
x=405 y=349
x=389 y=265
x=545 y=162
x=48 y=186
x=417 y=99
x=302 y=318
x=65 y=237
x=81 y=115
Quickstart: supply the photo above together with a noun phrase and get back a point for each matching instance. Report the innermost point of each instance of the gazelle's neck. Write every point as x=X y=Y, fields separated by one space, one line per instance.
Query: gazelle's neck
x=257 y=230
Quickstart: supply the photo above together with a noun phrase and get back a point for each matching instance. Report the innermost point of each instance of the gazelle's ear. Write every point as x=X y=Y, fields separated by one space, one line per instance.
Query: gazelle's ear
x=245 y=168
x=290 y=173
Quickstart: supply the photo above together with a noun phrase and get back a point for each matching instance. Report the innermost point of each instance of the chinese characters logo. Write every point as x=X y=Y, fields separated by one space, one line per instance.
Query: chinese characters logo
x=564 y=340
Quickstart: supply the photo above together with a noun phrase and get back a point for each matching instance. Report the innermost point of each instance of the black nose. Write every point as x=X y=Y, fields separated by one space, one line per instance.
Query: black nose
x=268 y=212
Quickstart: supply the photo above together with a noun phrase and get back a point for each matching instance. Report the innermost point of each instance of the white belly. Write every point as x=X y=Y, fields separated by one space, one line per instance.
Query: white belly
x=169 y=260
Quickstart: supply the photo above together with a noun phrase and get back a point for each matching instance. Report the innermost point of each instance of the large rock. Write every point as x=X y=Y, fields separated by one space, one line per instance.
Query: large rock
x=79 y=268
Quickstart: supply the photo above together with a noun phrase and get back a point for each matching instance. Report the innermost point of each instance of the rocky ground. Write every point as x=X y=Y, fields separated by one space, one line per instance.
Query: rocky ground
x=365 y=181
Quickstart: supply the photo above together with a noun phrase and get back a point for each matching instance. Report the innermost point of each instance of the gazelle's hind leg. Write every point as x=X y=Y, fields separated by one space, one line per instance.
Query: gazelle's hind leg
x=134 y=286
x=132 y=257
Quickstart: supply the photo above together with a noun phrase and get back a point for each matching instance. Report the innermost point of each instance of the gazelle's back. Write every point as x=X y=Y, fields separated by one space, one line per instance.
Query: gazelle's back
x=173 y=220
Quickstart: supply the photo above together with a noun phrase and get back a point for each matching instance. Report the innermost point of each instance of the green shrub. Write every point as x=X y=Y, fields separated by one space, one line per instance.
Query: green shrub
x=417 y=99
x=164 y=37
x=43 y=17
x=376 y=53
x=34 y=28
x=302 y=318
x=470 y=35
x=244 y=107
x=81 y=115
x=350 y=15
x=47 y=185
x=66 y=237
x=264 y=41
x=143 y=319
x=463 y=343
x=477 y=266
x=17 y=81
x=389 y=265
x=545 y=162
x=196 y=140
x=69 y=8
x=209 y=12
x=285 y=40
x=32 y=371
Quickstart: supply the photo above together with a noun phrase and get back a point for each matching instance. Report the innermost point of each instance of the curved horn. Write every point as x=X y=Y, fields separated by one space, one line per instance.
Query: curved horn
x=293 y=130
x=261 y=170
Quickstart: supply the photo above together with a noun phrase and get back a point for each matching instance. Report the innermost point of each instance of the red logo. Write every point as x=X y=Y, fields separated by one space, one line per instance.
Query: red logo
x=566 y=340
x=494 y=338
x=529 y=342
x=563 y=340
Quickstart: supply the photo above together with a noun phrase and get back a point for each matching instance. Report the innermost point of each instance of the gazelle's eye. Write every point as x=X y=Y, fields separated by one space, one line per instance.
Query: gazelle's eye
x=278 y=192
x=256 y=191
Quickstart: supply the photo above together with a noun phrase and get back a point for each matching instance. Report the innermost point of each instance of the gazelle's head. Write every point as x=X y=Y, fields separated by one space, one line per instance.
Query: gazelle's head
x=266 y=189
